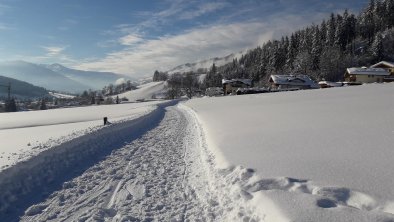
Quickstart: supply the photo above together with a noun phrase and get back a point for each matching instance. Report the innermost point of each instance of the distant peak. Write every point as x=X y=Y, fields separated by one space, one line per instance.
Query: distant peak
x=56 y=67
x=56 y=64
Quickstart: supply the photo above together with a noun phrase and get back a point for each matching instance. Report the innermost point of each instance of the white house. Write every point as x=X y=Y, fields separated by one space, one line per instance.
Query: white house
x=389 y=66
x=292 y=82
x=231 y=86
x=366 y=75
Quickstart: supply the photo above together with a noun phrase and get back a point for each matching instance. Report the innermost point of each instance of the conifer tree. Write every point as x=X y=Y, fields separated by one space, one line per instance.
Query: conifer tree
x=377 y=47
x=316 y=48
x=330 y=37
x=10 y=105
x=292 y=52
x=43 y=105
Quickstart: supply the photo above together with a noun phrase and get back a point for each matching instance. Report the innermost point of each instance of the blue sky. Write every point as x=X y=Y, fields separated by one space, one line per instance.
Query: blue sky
x=136 y=37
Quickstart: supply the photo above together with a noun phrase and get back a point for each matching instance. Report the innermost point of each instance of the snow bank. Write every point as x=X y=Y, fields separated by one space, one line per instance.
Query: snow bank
x=23 y=134
x=319 y=155
x=68 y=115
x=40 y=175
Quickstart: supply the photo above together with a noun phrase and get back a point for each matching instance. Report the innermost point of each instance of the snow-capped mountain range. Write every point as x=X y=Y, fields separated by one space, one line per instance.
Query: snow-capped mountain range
x=57 y=77
x=60 y=78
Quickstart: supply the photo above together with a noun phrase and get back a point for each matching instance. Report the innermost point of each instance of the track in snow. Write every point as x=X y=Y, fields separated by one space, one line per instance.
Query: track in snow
x=159 y=170
x=157 y=177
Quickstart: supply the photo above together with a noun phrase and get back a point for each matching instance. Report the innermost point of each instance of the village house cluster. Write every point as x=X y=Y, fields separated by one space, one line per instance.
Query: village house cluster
x=377 y=73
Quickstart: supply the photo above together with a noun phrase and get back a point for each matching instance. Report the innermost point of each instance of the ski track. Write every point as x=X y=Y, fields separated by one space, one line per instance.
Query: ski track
x=165 y=175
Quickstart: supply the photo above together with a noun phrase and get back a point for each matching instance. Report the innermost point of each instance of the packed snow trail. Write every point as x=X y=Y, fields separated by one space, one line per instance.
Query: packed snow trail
x=34 y=179
x=162 y=176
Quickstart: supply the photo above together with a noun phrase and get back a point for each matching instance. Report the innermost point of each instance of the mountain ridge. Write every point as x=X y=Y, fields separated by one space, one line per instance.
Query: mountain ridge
x=21 y=89
x=58 y=77
x=94 y=79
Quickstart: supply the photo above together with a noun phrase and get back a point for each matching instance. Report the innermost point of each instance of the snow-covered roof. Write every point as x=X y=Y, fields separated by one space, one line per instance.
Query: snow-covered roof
x=296 y=80
x=389 y=64
x=331 y=84
x=368 y=71
x=244 y=81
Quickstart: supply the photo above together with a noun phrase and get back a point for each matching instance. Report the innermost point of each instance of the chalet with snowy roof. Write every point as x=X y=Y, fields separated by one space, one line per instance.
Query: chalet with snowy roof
x=389 y=66
x=366 y=75
x=292 y=82
x=385 y=65
x=231 y=86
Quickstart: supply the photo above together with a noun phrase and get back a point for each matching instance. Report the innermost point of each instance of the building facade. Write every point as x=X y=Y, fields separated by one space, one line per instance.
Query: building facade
x=292 y=82
x=231 y=86
x=366 y=75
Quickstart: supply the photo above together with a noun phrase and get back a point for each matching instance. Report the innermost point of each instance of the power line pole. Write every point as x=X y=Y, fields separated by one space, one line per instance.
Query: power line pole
x=8 y=89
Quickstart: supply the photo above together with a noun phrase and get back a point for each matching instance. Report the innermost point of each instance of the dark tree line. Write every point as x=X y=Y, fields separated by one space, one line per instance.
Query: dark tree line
x=322 y=51
x=112 y=89
x=160 y=76
x=10 y=105
x=183 y=84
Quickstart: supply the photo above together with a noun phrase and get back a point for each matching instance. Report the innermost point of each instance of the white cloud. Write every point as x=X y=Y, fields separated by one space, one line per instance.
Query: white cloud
x=168 y=51
x=176 y=10
x=53 y=50
x=54 y=54
x=130 y=39
x=203 y=9
x=120 y=81
x=141 y=56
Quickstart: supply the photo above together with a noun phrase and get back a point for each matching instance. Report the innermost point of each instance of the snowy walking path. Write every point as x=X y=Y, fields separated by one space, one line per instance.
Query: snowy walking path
x=166 y=174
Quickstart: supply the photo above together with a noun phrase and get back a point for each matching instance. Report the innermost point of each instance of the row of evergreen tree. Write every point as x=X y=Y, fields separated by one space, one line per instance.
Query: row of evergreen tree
x=322 y=51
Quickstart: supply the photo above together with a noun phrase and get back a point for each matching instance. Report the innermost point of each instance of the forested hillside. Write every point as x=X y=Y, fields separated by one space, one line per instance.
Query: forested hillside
x=322 y=51
x=20 y=89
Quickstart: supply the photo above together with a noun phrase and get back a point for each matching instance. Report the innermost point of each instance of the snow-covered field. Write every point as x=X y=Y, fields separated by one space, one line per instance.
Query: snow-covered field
x=316 y=155
x=319 y=155
x=61 y=95
x=23 y=134
x=146 y=92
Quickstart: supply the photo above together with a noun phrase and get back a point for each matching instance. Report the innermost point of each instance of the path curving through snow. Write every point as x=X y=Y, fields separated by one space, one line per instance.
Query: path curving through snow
x=166 y=174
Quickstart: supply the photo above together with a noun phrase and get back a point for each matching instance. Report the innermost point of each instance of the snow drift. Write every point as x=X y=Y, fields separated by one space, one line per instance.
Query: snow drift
x=319 y=155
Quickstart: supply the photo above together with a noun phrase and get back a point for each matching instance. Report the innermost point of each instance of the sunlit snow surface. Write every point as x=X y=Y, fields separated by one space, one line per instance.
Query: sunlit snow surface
x=61 y=95
x=318 y=154
x=313 y=155
x=145 y=92
x=26 y=133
